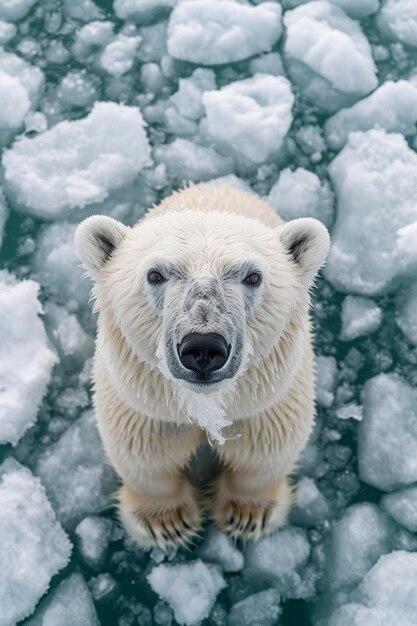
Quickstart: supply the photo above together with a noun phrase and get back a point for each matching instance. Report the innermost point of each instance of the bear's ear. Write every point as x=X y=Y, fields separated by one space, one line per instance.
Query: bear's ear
x=96 y=239
x=307 y=242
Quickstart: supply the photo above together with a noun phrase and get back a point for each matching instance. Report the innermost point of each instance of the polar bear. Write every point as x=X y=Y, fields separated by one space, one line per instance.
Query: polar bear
x=203 y=331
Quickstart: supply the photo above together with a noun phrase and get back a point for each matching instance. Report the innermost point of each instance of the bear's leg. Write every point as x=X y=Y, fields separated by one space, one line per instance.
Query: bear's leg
x=250 y=507
x=170 y=517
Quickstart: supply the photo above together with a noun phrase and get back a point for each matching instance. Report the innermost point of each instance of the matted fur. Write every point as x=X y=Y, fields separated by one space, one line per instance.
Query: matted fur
x=149 y=420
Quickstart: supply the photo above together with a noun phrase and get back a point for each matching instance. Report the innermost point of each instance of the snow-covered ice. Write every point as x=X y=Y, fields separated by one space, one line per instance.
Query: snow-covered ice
x=300 y=193
x=77 y=163
x=209 y=32
x=402 y=506
x=250 y=118
x=108 y=107
x=73 y=470
x=393 y=107
x=365 y=176
x=387 y=443
x=262 y=609
x=328 y=55
x=26 y=359
x=360 y=316
x=190 y=589
x=69 y=605
x=33 y=546
x=398 y=20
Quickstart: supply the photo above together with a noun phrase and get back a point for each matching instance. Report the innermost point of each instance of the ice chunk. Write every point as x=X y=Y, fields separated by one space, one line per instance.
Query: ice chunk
x=57 y=267
x=77 y=163
x=270 y=63
x=15 y=101
x=31 y=78
x=365 y=175
x=208 y=32
x=312 y=506
x=407 y=313
x=218 y=548
x=398 y=20
x=77 y=89
x=279 y=560
x=250 y=118
x=91 y=38
x=326 y=377
x=350 y=411
x=356 y=542
x=188 y=98
x=26 y=361
x=33 y=547
x=358 y=9
x=101 y=586
x=385 y=597
x=76 y=477
x=190 y=589
x=187 y=161
x=360 y=316
x=300 y=193
x=84 y=10
x=393 y=107
x=140 y=10
x=261 y=609
x=119 y=55
x=93 y=535
x=7 y=32
x=387 y=437
x=69 y=605
x=328 y=55
x=402 y=506
x=67 y=333
x=14 y=10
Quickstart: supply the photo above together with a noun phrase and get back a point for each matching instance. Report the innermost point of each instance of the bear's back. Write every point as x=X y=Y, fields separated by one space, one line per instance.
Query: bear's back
x=208 y=198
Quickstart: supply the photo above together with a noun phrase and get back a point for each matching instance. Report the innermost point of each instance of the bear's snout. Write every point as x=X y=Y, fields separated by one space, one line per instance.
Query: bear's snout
x=203 y=352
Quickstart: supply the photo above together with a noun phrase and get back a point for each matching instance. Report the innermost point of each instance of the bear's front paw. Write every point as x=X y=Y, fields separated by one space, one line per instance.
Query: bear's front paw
x=251 y=515
x=157 y=523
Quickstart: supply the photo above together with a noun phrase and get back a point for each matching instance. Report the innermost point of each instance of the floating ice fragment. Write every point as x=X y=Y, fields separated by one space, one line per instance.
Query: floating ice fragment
x=119 y=55
x=371 y=259
x=393 y=107
x=190 y=589
x=140 y=10
x=218 y=548
x=14 y=10
x=93 y=535
x=250 y=118
x=325 y=380
x=262 y=609
x=407 y=313
x=360 y=316
x=76 y=477
x=26 y=359
x=69 y=605
x=188 y=161
x=300 y=193
x=387 y=436
x=77 y=163
x=398 y=20
x=402 y=506
x=209 y=32
x=328 y=55
x=33 y=546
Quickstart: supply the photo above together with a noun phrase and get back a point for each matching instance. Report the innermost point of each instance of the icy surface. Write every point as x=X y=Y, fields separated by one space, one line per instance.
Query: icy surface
x=300 y=193
x=26 y=358
x=33 y=547
x=360 y=316
x=108 y=107
x=209 y=32
x=73 y=470
x=328 y=55
x=250 y=117
x=77 y=163
x=387 y=445
x=365 y=175
x=69 y=605
x=398 y=20
x=392 y=107
x=190 y=590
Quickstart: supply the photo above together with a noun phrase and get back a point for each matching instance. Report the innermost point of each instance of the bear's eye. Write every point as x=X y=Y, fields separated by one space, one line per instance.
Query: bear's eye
x=253 y=279
x=155 y=277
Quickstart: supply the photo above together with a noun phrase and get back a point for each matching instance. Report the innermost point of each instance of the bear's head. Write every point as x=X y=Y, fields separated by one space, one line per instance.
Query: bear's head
x=201 y=295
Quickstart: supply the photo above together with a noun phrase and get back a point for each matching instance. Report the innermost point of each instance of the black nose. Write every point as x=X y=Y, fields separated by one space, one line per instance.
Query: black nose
x=203 y=353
